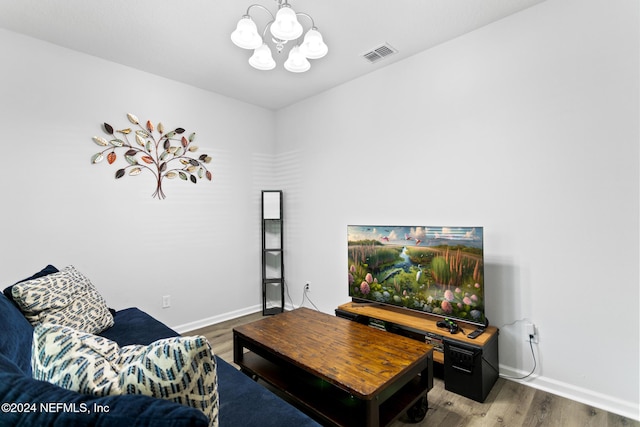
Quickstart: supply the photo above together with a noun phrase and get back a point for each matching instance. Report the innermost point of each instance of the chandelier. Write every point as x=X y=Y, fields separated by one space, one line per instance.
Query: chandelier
x=284 y=27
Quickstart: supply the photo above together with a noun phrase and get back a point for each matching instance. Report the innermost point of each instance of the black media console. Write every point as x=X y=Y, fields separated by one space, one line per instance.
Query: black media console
x=469 y=366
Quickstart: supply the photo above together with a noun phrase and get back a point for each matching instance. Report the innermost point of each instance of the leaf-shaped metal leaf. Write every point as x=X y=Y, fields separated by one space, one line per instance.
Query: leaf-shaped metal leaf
x=131 y=152
x=163 y=166
x=119 y=173
x=100 y=141
x=160 y=128
x=209 y=176
x=147 y=159
x=170 y=134
x=149 y=146
x=185 y=162
x=172 y=149
x=135 y=171
x=149 y=126
x=192 y=137
x=126 y=131
x=171 y=175
x=143 y=133
x=133 y=119
x=207 y=159
x=193 y=148
x=140 y=140
x=179 y=130
x=193 y=179
x=111 y=157
x=164 y=155
x=166 y=144
x=117 y=142
x=179 y=152
x=194 y=162
x=192 y=169
x=97 y=158
x=132 y=160
x=108 y=128
x=200 y=173
x=182 y=175
x=184 y=142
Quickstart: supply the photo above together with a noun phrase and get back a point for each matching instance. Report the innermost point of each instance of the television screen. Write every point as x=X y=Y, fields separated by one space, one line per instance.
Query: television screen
x=435 y=270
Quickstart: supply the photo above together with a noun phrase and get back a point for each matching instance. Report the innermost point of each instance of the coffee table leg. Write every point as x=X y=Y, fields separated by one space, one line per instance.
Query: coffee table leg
x=237 y=349
x=419 y=410
x=373 y=413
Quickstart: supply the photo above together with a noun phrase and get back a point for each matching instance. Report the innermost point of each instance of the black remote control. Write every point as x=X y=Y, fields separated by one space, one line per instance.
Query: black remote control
x=475 y=334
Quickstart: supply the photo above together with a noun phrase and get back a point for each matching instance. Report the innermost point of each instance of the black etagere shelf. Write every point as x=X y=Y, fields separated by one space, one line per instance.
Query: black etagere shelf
x=272 y=253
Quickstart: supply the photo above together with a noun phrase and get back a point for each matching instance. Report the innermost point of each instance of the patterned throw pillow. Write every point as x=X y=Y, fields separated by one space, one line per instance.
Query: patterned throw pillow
x=180 y=369
x=65 y=298
x=75 y=360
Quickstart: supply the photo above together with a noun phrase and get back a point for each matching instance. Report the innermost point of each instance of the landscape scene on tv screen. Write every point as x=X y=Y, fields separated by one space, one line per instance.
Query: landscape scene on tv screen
x=437 y=270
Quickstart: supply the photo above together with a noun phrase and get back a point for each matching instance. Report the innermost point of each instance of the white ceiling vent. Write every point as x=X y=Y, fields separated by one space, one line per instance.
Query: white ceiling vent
x=379 y=53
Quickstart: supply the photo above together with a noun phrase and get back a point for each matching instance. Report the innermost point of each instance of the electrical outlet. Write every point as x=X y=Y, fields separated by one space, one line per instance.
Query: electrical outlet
x=531 y=333
x=307 y=286
x=166 y=301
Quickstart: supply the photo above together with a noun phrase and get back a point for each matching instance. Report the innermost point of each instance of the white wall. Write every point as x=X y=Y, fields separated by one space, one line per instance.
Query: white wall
x=200 y=245
x=529 y=127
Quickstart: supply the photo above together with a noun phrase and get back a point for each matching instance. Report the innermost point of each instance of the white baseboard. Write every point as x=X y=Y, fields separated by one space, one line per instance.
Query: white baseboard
x=605 y=402
x=202 y=323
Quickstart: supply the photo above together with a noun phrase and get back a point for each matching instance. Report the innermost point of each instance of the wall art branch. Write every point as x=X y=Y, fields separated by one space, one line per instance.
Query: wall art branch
x=165 y=155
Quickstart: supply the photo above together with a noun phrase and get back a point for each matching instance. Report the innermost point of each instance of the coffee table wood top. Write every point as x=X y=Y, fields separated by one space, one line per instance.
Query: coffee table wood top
x=360 y=358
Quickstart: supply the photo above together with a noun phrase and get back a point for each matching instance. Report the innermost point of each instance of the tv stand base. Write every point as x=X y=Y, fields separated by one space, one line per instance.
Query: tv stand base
x=470 y=366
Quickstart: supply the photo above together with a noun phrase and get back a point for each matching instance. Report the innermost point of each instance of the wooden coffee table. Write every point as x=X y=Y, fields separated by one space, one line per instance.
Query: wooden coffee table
x=343 y=372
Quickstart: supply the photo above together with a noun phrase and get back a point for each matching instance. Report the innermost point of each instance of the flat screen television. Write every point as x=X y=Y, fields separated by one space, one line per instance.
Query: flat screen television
x=436 y=270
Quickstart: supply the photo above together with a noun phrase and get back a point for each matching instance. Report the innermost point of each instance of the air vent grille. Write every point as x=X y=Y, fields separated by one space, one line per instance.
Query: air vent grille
x=379 y=53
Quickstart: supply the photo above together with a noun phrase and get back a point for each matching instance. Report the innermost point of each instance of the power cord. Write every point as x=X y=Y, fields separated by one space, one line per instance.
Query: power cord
x=535 y=364
x=304 y=297
x=286 y=287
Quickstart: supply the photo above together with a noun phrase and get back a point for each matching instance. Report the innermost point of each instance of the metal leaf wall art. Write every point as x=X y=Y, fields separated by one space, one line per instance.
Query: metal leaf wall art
x=165 y=155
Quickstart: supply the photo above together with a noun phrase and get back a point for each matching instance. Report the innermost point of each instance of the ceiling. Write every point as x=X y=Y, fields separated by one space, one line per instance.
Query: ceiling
x=189 y=40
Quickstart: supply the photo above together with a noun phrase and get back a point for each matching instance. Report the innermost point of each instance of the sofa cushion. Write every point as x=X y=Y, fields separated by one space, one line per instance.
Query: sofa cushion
x=245 y=402
x=82 y=410
x=49 y=269
x=65 y=298
x=134 y=326
x=180 y=369
x=16 y=335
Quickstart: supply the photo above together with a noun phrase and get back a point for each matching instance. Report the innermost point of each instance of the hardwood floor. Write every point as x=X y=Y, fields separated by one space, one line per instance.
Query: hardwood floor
x=509 y=403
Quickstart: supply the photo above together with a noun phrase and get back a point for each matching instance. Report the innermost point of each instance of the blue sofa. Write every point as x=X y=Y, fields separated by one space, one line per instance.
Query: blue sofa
x=29 y=402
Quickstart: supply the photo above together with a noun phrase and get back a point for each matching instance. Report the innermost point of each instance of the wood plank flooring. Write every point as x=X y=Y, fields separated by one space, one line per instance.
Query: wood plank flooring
x=509 y=404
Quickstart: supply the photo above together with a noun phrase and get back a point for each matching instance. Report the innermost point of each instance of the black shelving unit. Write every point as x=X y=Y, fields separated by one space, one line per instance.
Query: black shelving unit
x=272 y=253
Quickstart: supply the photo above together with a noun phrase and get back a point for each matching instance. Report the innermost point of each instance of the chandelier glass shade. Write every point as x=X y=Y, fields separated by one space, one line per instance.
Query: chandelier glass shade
x=297 y=62
x=284 y=27
x=246 y=34
x=313 y=46
x=262 y=59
